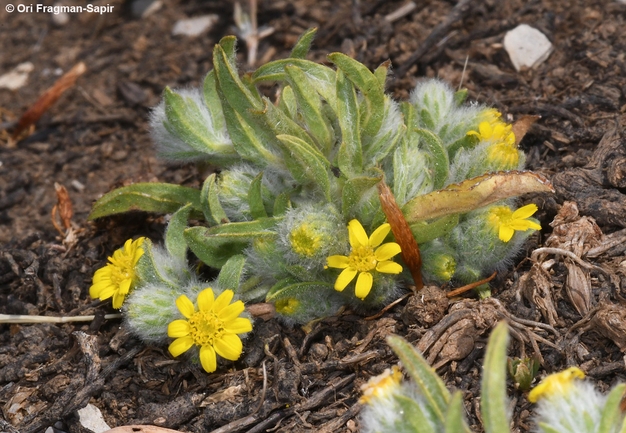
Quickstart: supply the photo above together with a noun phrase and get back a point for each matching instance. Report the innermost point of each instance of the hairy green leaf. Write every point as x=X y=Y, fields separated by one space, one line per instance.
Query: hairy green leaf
x=148 y=197
x=493 y=400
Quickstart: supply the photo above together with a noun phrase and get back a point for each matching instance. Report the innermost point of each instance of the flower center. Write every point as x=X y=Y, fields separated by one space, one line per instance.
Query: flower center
x=362 y=258
x=304 y=240
x=121 y=272
x=206 y=328
x=500 y=216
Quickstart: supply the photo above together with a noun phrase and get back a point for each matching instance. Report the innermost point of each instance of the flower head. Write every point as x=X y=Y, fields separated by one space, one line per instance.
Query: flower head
x=494 y=130
x=502 y=152
x=381 y=386
x=506 y=222
x=214 y=327
x=305 y=240
x=117 y=278
x=365 y=257
x=557 y=384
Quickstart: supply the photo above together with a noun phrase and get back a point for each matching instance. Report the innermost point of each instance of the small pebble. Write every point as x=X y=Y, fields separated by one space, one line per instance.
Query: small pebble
x=194 y=26
x=527 y=47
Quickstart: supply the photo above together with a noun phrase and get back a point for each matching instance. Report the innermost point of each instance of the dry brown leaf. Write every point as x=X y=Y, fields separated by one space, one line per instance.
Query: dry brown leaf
x=63 y=209
x=474 y=193
x=48 y=98
x=522 y=125
x=402 y=232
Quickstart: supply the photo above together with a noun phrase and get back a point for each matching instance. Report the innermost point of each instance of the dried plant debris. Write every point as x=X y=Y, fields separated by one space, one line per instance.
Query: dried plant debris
x=570 y=240
x=455 y=336
x=598 y=187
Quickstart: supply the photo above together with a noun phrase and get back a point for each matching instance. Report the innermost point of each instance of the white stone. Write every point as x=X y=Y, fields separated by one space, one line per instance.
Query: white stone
x=194 y=26
x=90 y=417
x=527 y=46
x=17 y=77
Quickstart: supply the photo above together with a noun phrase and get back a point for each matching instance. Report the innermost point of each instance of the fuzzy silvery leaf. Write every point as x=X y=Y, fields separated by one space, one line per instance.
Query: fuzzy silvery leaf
x=255 y=198
x=425 y=378
x=149 y=197
x=231 y=273
x=321 y=77
x=355 y=189
x=184 y=129
x=215 y=245
x=310 y=108
x=174 y=241
x=373 y=109
x=210 y=202
x=350 y=155
x=493 y=387
x=306 y=164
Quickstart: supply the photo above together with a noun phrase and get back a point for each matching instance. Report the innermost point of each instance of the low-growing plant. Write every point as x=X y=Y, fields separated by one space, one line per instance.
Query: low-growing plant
x=291 y=214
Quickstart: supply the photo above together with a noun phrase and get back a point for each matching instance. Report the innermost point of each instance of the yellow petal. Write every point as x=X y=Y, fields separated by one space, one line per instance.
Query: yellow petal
x=387 y=251
x=178 y=328
x=340 y=262
x=379 y=235
x=389 y=267
x=357 y=234
x=137 y=255
x=525 y=211
x=363 y=285
x=230 y=312
x=185 y=306
x=124 y=287
x=505 y=233
x=97 y=288
x=206 y=298
x=118 y=300
x=180 y=345
x=107 y=292
x=555 y=384
x=127 y=246
x=344 y=278
x=229 y=347
x=485 y=130
x=523 y=225
x=240 y=325
x=208 y=359
x=223 y=300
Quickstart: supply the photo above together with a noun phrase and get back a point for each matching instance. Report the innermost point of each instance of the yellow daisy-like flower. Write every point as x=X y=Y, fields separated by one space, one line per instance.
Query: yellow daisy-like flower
x=117 y=278
x=496 y=130
x=506 y=222
x=214 y=327
x=555 y=384
x=381 y=386
x=366 y=256
x=502 y=153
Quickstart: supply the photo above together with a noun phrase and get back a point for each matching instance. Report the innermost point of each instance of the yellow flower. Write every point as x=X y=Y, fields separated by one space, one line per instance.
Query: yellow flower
x=213 y=327
x=506 y=222
x=555 y=384
x=287 y=306
x=117 y=278
x=490 y=115
x=495 y=130
x=381 y=386
x=305 y=241
x=366 y=256
x=503 y=155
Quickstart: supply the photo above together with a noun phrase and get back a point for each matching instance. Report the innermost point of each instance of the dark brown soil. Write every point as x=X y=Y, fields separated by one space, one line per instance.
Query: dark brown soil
x=565 y=303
